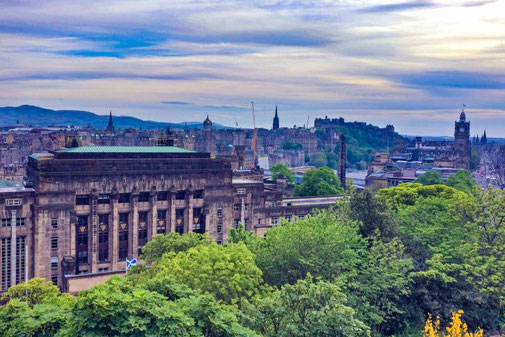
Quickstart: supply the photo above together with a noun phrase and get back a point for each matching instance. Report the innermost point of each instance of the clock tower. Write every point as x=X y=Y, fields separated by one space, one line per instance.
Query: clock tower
x=462 y=142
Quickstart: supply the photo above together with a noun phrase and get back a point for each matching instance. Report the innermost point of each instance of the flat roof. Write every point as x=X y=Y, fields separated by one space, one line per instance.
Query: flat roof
x=125 y=149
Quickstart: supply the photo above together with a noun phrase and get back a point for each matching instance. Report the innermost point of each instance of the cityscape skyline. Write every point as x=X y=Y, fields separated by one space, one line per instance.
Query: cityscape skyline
x=409 y=64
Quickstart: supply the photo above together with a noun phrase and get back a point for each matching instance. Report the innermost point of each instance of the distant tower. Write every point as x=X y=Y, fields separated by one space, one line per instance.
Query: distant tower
x=110 y=130
x=207 y=124
x=276 y=120
x=462 y=142
x=483 y=140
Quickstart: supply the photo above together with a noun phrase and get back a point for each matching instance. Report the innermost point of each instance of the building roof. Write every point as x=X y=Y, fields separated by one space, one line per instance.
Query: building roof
x=125 y=149
x=7 y=186
x=9 y=183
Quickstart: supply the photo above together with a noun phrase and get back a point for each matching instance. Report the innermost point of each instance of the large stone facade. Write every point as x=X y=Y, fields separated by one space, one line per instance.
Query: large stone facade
x=89 y=208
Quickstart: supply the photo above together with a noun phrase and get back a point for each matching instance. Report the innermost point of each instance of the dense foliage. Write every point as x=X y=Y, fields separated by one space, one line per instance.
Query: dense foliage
x=375 y=265
x=281 y=169
x=321 y=181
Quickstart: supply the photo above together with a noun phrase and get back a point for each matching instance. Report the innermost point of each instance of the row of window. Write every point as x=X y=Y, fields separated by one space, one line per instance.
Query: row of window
x=6 y=261
x=83 y=200
x=7 y=222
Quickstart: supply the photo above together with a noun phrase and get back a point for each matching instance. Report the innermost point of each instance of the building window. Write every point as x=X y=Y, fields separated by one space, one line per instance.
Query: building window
x=82 y=239
x=142 y=230
x=236 y=223
x=198 y=194
x=82 y=200
x=12 y=202
x=54 y=279
x=161 y=222
x=103 y=269
x=124 y=198
x=219 y=212
x=6 y=222
x=271 y=204
x=274 y=220
x=123 y=235
x=103 y=199
x=219 y=228
x=241 y=190
x=245 y=223
x=54 y=262
x=180 y=195
x=162 y=196
x=236 y=207
x=259 y=221
x=246 y=207
x=54 y=223
x=219 y=242
x=6 y=263
x=20 y=222
x=54 y=242
x=144 y=197
x=103 y=219
x=198 y=221
x=179 y=220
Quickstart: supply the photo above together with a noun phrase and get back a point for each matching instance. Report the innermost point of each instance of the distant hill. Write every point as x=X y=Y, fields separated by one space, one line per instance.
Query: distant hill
x=36 y=116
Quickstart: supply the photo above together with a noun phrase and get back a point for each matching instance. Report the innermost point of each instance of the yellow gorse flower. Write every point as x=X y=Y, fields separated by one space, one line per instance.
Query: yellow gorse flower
x=456 y=327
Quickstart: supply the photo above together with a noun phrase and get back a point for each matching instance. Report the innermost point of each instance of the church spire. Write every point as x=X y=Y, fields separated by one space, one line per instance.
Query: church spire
x=110 y=127
x=275 y=125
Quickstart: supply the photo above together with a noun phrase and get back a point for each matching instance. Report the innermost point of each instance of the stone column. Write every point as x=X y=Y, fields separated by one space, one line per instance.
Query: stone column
x=171 y=206
x=114 y=246
x=152 y=230
x=13 y=247
x=135 y=223
x=93 y=225
x=189 y=210
x=242 y=211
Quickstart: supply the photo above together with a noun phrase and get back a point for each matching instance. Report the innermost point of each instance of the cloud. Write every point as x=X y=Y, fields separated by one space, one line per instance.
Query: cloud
x=478 y=3
x=396 y=7
x=455 y=80
x=175 y=102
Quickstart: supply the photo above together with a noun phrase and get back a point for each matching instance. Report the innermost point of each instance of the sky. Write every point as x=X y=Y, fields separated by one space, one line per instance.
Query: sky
x=412 y=63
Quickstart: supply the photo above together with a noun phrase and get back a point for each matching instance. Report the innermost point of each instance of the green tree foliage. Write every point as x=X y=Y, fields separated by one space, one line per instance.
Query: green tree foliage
x=430 y=178
x=228 y=272
x=172 y=242
x=462 y=181
x=32 y=292
x=321 y=181
x=319 y=159
x=373 y=214
x=306 y=308
x=373 y=274
x=281 y=169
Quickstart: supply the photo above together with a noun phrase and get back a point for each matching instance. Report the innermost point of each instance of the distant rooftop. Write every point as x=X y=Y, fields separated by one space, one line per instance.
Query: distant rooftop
x=9 y=183
x=125 y=149
x=12 y=186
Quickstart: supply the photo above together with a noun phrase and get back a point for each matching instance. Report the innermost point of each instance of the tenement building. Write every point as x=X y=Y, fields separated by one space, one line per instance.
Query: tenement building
x=84 y=210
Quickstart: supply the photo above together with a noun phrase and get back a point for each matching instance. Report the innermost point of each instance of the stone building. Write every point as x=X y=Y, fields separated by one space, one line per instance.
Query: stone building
x=462 y=142
x=84 y=210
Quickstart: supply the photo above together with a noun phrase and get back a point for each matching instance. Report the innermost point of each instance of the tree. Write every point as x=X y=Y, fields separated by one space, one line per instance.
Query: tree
x=321 y=181
x=430 y=178
x=281 y=169
x=462 y=181
x=373 y=213
x=374 y=275
x=306 y=308
x=172 y=242
x=32 y=292
x=228 y=272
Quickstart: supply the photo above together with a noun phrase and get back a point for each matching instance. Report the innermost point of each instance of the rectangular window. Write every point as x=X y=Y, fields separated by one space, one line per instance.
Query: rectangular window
x=236 y=223
x=54 y=262
x=20 y=222
x=162 y=196
x=12 y=202
x=220 y=212
x=20 y=259
x=198 y=194
x=82 y=257
x=236 y=207
x=219 y=228
x=161 y=221
x=179 y=220
x=6 y=263
x=103 y=199
x=6 y=222
x=54 y=279
x=142 y=230
x=241 y=190
x=271 y=204
x=144 y=196
x=54 y=223
x=82 y=200
x=82 y=239
x=103 y=219
x=124 y=198
x=123 y=235
x=274 y=220
x=54 y=242
x=180 y=195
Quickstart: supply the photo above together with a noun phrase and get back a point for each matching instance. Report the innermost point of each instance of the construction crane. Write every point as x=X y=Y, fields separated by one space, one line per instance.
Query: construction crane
x=255 y=137
x=307 y=126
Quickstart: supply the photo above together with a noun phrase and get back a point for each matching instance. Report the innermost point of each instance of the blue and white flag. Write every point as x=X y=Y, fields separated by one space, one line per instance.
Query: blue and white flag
x=130 y=262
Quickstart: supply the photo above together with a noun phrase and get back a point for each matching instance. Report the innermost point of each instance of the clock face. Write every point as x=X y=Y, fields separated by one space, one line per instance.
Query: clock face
x=461 y=129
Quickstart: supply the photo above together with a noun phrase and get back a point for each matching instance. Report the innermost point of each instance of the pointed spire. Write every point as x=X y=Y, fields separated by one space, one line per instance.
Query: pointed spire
x=110 y=127
x=275 y=125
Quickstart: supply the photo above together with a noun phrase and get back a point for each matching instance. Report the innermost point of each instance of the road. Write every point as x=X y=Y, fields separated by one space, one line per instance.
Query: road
x=485 y=174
